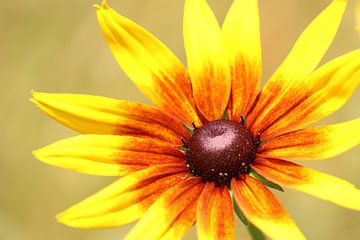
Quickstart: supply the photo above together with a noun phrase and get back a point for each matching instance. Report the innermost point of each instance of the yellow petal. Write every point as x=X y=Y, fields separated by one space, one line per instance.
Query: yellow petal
x=182 y=224
x=315 y=183
x=301 y=61
x=169 y=206
x=125 y=200
x=314 y=143
x=155 y=70
x=109 y=155
x=241 y=31
x=324 y=92
x=262 y=209
x=100 y=115
x=215 y=214
x=208 y=68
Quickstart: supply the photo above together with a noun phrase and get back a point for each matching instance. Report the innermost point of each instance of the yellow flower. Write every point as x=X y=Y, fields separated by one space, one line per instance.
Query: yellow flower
x=176 y=175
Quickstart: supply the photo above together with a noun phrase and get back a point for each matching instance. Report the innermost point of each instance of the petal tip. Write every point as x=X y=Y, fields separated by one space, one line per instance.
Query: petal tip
x=35 y=153
x=37 y=96
x=97 y=7
x=40 y=155
x=34 y=93
x=64 y=218
x=101 y=7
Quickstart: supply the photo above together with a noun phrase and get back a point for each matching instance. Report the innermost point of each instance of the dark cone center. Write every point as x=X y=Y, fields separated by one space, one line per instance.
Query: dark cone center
x=220 y=150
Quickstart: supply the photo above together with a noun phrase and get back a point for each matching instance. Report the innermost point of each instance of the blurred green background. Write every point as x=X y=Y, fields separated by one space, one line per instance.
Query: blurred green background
x=56 y=46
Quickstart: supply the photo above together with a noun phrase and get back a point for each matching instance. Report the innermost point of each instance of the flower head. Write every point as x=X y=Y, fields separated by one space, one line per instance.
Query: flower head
x=212 y=135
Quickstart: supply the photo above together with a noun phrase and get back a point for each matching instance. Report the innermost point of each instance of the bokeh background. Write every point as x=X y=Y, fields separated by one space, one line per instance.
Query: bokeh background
x=56 y=46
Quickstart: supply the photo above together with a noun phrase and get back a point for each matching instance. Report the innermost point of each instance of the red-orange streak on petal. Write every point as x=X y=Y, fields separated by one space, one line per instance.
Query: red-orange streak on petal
x=127 y=204
x=298 y=65
x=256 y=200
x=241 y=34
x=204 y=203
x=150 y=190
x=145 y=159
x=215 y=214
x=210 y=97
x=100 y=115
x=289 y=145
x=223 y=215
x=182 y=224
x=313 y=143
x=262 y=209
x=109 y=155
x=316 y=183
x=245 y=84
x=123 y=208
x=157 y=123
x=295 y=96
x=179 y=107
x=261 y=103
x=175 y=172
x=151 y=145
x=150 y=64
x=322 y=93
x=206 y=59
x=161 y=216
x=147 y=151
x=312 y=108
x=284 y=172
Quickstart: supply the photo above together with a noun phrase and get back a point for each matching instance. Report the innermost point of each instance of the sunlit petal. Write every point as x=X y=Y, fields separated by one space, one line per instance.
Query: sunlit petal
x=314 y=143
x=208 y=68
x=125 y=200
x=109 y=155
x=263 y=210
x=155 y=70
x=324 y=92
x=315 y=183
x=163 y=213
x=101 y=115
x=299 y=64
x=215 y=215
x=241 y=31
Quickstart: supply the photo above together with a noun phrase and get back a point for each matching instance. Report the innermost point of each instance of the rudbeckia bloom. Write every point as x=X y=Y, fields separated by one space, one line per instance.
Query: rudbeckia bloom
x=213 y=140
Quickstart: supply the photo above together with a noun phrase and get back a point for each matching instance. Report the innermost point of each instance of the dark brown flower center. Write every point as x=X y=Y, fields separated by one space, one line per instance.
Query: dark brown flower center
x=220 y=150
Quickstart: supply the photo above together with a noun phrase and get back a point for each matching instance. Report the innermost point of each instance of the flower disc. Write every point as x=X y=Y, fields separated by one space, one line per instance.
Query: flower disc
x=220 y=150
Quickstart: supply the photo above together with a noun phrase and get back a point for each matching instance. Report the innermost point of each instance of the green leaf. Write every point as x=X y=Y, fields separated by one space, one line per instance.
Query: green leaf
x=243 y=119
x=238 y=211
x=255 y=233
x=240 y=214
x=265 y=181
x=183 y=149
x=225 y=115
x=189 y=128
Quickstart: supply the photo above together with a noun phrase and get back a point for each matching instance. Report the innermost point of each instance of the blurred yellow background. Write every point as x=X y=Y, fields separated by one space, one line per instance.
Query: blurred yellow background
x=56 y=46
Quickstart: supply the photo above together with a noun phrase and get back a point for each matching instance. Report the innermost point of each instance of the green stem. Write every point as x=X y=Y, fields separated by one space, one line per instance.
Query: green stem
x=255 y=233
